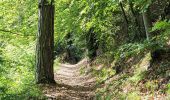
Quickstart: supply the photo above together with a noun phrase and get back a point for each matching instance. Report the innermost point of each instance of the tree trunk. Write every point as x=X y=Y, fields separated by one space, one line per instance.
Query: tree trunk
x=125 y=17
x=45 y=43
x=92 y=44
x=135 y=15
x=147 y=23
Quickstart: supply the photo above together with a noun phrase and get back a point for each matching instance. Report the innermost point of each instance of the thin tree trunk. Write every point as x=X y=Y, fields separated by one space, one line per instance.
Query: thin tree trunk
x=136 y=19
x=147 y=24
x=92 y=44
x=125 y=17
x=45 y=43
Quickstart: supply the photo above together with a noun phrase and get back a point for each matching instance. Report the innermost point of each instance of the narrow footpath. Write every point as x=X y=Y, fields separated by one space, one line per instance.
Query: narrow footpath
x=71 y=84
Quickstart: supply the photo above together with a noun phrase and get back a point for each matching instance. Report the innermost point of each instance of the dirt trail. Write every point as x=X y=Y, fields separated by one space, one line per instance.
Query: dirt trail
x=71 y=84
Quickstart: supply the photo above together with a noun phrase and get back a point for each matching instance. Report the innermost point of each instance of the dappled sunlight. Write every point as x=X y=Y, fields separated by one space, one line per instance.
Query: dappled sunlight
x=84 y=49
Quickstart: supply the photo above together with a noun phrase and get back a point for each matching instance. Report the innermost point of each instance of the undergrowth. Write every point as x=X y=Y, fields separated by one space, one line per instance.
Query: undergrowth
x=17 y=72
x=140 y=76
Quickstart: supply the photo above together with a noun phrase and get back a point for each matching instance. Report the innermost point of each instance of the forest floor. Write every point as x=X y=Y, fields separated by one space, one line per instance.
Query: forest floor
x=140 y=79
x=71 y=83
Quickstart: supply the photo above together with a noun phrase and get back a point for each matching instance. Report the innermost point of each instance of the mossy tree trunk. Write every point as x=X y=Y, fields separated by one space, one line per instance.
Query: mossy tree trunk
x=45 y=43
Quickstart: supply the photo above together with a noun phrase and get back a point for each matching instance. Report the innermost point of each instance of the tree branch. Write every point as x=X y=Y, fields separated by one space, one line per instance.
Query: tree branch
x=9 y=31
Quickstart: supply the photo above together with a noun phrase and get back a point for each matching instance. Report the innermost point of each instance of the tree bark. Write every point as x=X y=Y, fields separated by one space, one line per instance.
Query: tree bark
x=45 y=43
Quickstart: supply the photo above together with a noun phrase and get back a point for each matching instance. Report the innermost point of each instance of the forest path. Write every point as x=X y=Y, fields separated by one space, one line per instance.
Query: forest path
x=71 y=84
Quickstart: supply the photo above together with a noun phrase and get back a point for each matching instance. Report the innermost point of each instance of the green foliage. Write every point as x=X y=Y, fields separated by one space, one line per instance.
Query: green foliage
x=17 y=69
x=151 y=86
x=103 y=74
x=157 y=42
x=18 y=26
x=162 y=40
x=143 y=4
x=168 y=88
x=133 y=95
x=161 y=25
x=16 y=21
x=17 y=44
x=128 y=50
x=17 y=77
x=77 y=17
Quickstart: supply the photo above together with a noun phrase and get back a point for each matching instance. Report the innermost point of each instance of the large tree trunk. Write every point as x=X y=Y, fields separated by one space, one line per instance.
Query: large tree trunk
x=45 y=43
